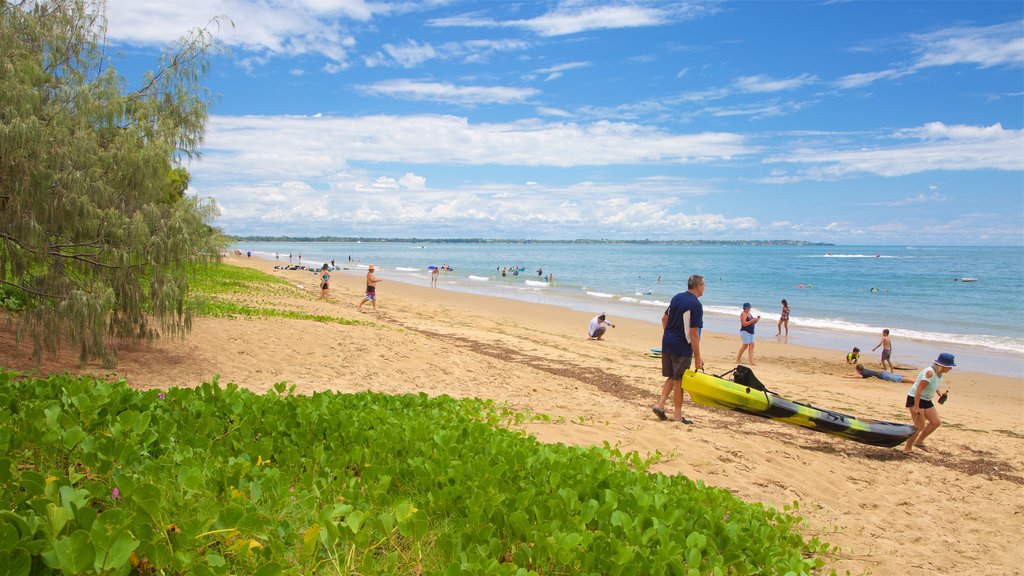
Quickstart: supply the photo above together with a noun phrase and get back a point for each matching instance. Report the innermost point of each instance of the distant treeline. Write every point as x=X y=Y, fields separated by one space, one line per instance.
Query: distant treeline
x=525 y=241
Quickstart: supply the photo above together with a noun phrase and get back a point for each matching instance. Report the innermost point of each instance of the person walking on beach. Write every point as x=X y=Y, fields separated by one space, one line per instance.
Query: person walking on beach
x=371 y=289
x=680 y=345
x=325 y=282
x=747 y=321
x=886 y=344
x=784 y=318
x=433 y=276
x=919 y=400
x=597 y=327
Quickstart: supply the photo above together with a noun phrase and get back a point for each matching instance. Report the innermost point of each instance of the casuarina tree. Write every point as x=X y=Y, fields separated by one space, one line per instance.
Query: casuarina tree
x=97 y=236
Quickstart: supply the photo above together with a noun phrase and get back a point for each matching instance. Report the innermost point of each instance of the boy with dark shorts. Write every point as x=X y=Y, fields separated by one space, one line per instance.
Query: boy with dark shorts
x=886 y=344
x=680 y=345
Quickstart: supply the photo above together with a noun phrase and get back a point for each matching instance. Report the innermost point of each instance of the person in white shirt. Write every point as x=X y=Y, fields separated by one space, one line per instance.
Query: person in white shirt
x=597 y=327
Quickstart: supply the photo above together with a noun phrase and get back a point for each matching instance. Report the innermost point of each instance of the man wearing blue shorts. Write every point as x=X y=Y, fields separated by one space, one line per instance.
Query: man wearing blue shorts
x=680 y=345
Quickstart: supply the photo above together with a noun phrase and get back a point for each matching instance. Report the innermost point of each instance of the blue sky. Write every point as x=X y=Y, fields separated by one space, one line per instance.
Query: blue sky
x=846 y=122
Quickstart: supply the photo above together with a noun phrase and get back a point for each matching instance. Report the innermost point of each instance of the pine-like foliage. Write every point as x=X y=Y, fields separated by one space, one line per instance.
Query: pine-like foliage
x=96 y=236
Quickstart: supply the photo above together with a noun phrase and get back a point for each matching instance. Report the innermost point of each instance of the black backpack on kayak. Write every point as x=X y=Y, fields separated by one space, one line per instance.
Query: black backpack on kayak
x=744 y=376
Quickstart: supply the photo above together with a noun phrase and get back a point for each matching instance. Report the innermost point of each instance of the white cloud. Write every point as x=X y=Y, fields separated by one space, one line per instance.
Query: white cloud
x=355 y=201
x=564 y=22
x=762 y=83
x=407 y=56
x=297 y=28
x=985 y=47
x=576 y=17
x=306 y=147
x=863 y=79
x=412 y=53
x=554 y=72
x=450 y=93
x=1002 y=44
x=939 y=147
x=917 y=199
x=412 y=182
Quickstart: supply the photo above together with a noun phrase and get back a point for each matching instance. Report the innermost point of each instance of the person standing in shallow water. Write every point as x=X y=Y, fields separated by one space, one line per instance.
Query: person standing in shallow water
x=680 y=345
x=784 y=318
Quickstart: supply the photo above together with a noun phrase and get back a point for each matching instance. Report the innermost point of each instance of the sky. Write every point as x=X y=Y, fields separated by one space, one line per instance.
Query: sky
x=845 y=122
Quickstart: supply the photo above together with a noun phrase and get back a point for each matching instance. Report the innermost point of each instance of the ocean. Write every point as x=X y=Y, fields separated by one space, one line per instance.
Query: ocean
x=840 y=296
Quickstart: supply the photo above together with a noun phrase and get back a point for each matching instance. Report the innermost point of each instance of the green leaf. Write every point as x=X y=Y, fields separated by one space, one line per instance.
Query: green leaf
x=117 y=555
x=354 y=521
x=148 y=497
x=269 y=569
x=73 y=436
x=15 y=562
x=75 y=553
x=57 y=518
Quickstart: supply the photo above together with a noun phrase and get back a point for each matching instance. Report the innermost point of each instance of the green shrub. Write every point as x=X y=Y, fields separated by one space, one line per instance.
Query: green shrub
x=98 y=478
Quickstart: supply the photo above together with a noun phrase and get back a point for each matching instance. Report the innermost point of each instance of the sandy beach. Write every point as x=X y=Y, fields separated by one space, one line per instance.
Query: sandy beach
x=956 y=509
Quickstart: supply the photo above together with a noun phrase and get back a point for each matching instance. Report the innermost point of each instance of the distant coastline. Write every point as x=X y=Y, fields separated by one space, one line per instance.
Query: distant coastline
x=525 y=241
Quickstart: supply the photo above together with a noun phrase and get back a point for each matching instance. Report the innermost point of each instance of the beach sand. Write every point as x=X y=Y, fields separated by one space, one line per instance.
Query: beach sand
x=956 y=509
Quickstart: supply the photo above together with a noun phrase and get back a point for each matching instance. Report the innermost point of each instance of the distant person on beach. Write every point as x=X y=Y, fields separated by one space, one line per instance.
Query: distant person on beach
x=784 y=318
x=680 y=345
x=433 y=276
x=854 y=356
x=863 y=372
x=747 y=321
x=919 y=400
x=597 y=327
x=325 y=282
x=371 y=288
x=886 y=344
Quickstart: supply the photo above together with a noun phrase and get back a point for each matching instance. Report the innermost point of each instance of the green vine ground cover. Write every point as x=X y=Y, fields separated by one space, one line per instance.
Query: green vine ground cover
x=99 y=478
x=211 y=283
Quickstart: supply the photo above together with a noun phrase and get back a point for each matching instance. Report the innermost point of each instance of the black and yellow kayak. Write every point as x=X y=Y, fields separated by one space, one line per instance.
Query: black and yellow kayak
x=746 y=394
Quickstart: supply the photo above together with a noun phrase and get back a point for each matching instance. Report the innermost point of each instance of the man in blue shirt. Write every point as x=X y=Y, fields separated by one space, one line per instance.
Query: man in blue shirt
x=680 y=344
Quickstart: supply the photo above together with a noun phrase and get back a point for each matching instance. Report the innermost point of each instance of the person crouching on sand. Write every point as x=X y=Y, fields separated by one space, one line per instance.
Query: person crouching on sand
x=597 y=327
x=919 y=400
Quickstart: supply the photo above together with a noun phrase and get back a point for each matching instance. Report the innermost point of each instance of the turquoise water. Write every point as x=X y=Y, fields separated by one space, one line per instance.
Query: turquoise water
x=838 y=294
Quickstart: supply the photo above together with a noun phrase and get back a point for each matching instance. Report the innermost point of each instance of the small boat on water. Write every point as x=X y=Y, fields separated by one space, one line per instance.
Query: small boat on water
x=965 y=279
x=748 y=395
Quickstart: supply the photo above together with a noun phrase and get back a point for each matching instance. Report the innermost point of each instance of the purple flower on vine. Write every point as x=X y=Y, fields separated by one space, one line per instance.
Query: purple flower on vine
x=116 y=494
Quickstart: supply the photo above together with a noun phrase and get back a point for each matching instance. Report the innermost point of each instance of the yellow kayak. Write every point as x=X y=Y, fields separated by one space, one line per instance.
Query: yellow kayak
x=749 y=396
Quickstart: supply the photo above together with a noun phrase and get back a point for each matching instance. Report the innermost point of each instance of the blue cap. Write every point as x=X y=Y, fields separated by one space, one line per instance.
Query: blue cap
x=746 y=305
x=945 y=359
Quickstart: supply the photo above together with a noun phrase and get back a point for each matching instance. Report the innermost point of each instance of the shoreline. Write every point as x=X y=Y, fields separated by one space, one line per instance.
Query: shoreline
x=908 y=352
